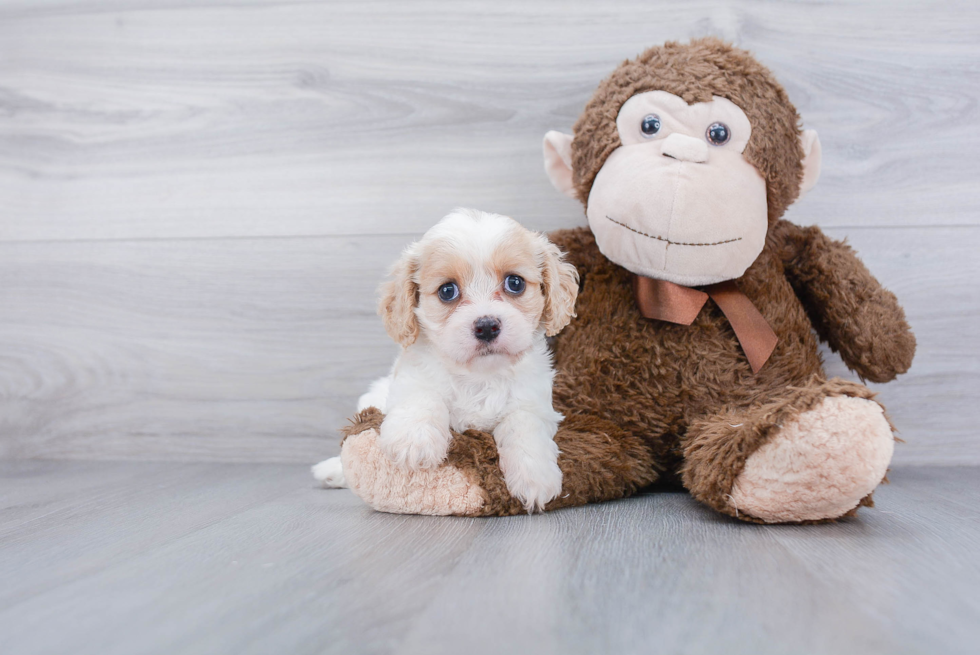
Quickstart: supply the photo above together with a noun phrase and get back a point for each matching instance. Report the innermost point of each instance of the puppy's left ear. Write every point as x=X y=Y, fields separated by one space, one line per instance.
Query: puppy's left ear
x=559 y=285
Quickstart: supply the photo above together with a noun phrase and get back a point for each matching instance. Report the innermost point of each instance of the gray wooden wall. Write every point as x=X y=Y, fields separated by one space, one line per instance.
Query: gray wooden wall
x=197 y=199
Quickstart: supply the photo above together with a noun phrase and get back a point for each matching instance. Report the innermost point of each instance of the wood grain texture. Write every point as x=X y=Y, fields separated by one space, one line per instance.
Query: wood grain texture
x=240 y=350
x=197 y=200
x=141 y=558
x=256 y=349
x=168 y=118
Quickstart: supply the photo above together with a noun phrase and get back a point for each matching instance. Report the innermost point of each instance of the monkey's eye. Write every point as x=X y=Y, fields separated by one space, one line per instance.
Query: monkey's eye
x=718 y=134
x=448 y=292
x=650 y=125
x=514 y=285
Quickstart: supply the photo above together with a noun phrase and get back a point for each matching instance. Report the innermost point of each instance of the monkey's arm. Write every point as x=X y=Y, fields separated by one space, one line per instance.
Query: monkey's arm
x=848 y=307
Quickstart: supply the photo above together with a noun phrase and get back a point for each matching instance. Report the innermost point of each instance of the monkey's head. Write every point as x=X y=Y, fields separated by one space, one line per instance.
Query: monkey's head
x=683 y=158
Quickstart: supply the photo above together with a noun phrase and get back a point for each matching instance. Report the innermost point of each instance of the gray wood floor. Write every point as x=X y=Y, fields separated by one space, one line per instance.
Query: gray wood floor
x=166 y=558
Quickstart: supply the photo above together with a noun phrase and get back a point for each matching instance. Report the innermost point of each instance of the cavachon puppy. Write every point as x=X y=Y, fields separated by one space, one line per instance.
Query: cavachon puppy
x=471 y=304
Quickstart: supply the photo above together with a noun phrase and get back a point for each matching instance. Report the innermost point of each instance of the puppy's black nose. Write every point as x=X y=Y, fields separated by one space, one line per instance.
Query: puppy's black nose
x=486 y=328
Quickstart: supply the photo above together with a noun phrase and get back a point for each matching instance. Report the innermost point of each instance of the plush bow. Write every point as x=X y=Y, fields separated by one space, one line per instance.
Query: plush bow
x=671 y=302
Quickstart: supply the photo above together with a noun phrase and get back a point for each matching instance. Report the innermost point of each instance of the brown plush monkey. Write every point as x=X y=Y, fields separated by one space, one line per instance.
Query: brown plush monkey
x=693 y=357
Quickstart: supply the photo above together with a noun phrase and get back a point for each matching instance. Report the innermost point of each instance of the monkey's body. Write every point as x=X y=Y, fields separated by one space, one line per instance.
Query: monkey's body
x=648 y=400
x=654 y=378
x=688 y=392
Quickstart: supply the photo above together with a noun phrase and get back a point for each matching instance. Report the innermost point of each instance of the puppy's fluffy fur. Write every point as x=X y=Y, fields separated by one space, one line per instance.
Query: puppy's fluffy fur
x=478 y=360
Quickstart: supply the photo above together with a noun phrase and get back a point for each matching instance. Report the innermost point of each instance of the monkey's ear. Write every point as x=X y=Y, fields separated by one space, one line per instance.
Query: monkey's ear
x=558 y=161
x=811 y=160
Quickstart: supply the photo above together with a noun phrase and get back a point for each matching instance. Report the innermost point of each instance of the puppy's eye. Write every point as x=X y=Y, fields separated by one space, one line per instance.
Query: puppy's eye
x=448 y=292
x=718 y=134
x=650 y=125
x=514 y=284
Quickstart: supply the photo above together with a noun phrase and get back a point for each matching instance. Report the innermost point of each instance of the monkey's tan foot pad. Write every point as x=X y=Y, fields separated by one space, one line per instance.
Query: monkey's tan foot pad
x=386 y=487
x=819 y=466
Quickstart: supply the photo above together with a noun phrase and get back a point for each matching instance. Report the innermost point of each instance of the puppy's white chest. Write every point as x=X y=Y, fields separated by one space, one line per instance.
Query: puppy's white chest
x=479 y=404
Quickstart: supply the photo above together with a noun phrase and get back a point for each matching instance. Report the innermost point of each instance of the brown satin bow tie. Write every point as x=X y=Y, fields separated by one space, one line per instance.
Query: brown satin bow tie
x=671 y=302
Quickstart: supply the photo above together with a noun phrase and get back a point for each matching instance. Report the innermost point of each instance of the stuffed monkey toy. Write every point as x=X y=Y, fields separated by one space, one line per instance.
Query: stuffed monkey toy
x=693 y=358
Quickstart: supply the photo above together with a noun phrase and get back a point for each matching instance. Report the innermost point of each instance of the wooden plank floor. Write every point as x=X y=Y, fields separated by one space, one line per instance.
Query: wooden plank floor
x=133 y=558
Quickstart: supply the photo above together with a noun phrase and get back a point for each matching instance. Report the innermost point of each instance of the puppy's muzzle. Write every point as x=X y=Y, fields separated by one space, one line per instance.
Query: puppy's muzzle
x=486 y=328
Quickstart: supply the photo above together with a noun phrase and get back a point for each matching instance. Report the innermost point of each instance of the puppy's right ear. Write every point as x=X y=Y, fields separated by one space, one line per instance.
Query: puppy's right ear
x=558 y=162
x=400 y=297
x=560 y=287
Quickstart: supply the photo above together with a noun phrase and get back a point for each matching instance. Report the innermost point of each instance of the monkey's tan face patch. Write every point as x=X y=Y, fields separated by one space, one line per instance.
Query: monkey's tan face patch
x=677 y=201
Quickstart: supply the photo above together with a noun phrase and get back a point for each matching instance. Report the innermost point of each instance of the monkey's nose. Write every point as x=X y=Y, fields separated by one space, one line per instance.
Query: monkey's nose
x=486 y=328
x=685 y=148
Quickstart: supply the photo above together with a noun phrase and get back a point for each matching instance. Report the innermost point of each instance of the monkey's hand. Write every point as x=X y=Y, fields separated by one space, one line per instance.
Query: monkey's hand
x=848 y=307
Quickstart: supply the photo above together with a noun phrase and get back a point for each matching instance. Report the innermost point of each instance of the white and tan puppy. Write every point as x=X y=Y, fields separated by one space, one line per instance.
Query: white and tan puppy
x=471 y=304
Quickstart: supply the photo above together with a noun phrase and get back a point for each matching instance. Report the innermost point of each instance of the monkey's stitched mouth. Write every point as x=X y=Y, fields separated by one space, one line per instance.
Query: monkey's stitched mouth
x=673 y=243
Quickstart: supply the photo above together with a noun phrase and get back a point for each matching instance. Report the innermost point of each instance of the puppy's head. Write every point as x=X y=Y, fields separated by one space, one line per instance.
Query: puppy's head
x=480 y=286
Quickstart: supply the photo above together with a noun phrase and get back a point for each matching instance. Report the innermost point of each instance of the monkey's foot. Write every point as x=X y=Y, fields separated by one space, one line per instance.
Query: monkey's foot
x=820 y=465
x=386 y=487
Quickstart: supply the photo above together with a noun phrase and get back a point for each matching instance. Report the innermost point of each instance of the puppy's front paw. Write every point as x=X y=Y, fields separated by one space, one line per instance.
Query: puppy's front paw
x=330 y=473
x=535 y=480
x=414 y=444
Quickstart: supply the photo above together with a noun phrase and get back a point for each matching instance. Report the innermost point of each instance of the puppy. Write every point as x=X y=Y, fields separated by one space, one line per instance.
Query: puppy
x=471 y=304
